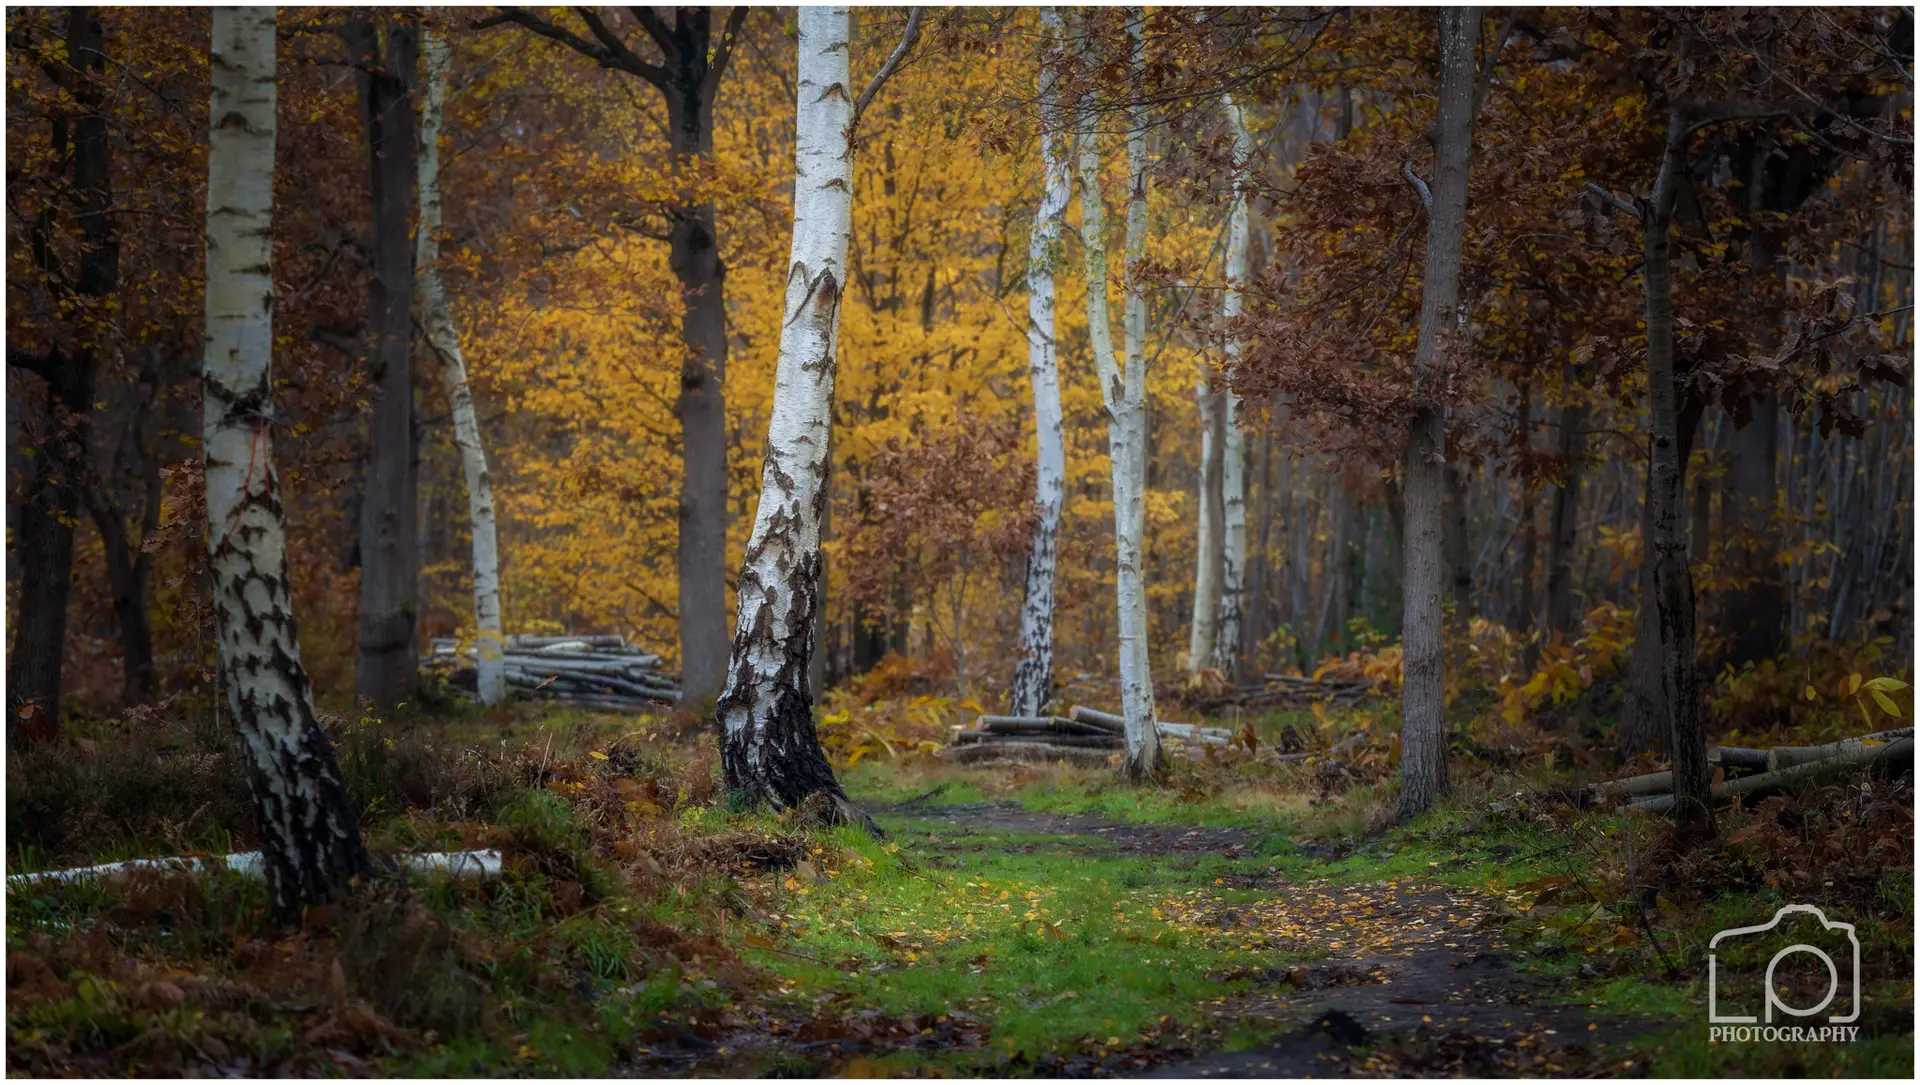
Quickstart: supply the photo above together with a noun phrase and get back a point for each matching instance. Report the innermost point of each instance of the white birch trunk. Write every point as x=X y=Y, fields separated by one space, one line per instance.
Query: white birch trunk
x=771 y=752
x=1233 y=466
x=307 y=829
x=490 y=659
x=1209 y=556
x=1125 y=394
x=1033 y=673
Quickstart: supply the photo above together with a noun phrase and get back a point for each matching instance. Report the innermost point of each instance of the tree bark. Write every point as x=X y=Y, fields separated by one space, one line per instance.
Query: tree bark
x=308 y=835
x=1209 y=535
x=1423 y=748
x=386 y=48
x=44 y=536
x=489 y=664
x=771 y=753
x=1667 y=546
x=1563 y=522
x=1227 y=644
x=1124 y=393
x=1033 y=673
x=1521 y=617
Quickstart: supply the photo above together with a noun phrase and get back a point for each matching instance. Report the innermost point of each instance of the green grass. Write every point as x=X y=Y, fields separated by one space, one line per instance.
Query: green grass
x=1055 y=952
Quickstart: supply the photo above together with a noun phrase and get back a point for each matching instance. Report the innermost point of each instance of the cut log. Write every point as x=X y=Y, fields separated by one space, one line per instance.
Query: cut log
x=1039 y=725
x=248 y=864
x=1026 y=753
x=1217 y=736
x=1098 y=742
x=1783 y=757
x=1813 y=772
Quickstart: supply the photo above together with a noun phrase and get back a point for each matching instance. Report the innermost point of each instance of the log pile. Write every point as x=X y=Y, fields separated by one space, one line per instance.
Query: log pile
x=601 y=671
x=1084 y=736
x=1769 y=771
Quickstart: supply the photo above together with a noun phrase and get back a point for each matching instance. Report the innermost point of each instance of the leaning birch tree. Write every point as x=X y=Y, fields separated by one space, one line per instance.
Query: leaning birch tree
x=490 y=663
x=1233 y=439
x=308 y=835
x=1033 y=673
x=1209 y=538
x=1125 y=394
x=1423 y=743
x=771 y=753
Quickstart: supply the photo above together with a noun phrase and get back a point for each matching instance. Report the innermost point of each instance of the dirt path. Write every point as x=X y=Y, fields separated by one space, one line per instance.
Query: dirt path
x=1417 y=974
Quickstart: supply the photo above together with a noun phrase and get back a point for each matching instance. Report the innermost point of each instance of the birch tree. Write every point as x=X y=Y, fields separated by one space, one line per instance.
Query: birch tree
x=1033 y=673
x=1125 y=393
x=307 y=830
x=490 y=663
x=1233 y=452
x=771 y=753
x=1423 y=746
x=1209 y=536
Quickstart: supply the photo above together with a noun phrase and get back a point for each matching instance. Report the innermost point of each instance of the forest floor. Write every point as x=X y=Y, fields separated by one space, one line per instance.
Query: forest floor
x=1243 y=920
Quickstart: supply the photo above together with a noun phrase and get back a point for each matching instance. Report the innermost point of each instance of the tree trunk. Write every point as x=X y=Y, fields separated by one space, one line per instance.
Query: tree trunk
x=490 y=663
x=308 y=836
x=1672 y=578
x=1033 y=673
x=1125 y=397
x=1521 y=618
x=1227 y=644
x=1209 y=535
x=1755 y=613
x=1644 y=721
x=1423 y=747
x=1564 y=522
x=44 y=537
x=771 y=752
x=387 y=47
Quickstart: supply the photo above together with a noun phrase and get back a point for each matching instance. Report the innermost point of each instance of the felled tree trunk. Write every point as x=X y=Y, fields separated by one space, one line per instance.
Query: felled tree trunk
x=1233 y=452
x=771 y=753
x=386 y=47
x=489 y=656
x=1033 y=672
x=307 y=830
x=1423 y=748
x=1125 y=398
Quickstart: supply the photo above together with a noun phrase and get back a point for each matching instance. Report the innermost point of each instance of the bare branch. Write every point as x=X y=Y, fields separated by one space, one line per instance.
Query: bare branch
x=1608 y=199
x=1419 y=187
x=625 y=59
x=722 y=53
x=900 y=51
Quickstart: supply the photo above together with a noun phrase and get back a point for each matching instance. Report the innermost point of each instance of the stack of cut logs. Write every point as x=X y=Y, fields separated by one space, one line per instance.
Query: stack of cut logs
x=1083 y=736
x=592 y=671
x=1780 y=769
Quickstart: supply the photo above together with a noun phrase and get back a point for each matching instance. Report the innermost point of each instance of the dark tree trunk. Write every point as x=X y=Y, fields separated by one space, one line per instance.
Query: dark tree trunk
x=1643 y=711
x=1755 y=613
x=387 y=46
x=1423 y=746
x=44 y=543
x=1666 y=546
x=1564 y=522
x=1520 y=620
